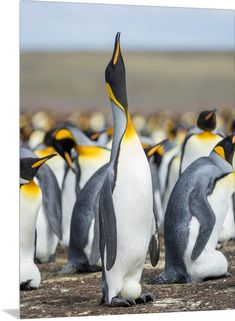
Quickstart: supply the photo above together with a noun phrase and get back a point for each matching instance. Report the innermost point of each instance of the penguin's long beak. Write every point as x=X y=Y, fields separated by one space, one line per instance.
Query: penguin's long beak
x=210 y=114
x=64 y=142
x=115 y=77
x=159 y=148
x=43 y=160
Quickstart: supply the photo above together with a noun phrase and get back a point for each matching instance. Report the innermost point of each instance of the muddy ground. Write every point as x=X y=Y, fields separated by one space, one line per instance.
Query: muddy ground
x=80 y=294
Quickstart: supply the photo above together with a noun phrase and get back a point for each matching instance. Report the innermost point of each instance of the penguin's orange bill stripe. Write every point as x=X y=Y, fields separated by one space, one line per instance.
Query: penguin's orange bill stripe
x=233 y=140
x=209 y=115
x=40 y=162
x=112 y=97
x=68 y=159
x=116 y=54
x=158 y=148
x=219 y=150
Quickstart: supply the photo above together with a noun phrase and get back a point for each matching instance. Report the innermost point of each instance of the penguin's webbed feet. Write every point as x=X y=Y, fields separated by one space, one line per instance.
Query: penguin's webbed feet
x=159 y=279
x=118 y=302
x=145 y=297
x=26 y=286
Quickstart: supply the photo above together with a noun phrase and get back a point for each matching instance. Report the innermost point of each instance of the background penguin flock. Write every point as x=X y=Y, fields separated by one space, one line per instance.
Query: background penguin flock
x=106 y=192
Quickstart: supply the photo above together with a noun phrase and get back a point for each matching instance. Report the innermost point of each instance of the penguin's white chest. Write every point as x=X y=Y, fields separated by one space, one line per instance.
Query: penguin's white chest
x=30 y=201
x=133 y=201
x=219 y=201
x=197 y=147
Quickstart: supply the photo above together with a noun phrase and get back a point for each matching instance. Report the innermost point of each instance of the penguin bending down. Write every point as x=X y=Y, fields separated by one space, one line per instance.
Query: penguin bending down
x=89 y=157
x=194 y=217
x=30 y=202
x=202 y=139
x=127 y=221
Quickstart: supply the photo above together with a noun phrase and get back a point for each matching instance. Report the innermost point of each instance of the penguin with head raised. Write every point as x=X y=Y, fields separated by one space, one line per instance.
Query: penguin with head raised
x=200 y=140
x=194 y=217
x=30 y=202
x=127 y=220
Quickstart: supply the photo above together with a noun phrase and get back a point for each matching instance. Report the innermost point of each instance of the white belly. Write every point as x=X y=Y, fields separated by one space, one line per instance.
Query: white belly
x=57 y=164
x=68 y=200
x=46 y=239
x=196 y=148
x=228 y=228
x=133 y=204
x=29 y=206
x=219 y=201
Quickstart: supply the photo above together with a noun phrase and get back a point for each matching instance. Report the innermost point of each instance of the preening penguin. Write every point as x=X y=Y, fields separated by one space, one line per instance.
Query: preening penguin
x=194 y=216
x=30 y=201
x=88 y=157
x=127 y=221
x=202 y=139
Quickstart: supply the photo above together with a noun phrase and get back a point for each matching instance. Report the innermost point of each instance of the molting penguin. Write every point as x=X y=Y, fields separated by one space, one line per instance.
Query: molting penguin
x=30 y=202
x=127 y=220
x=89 y=157
x=201 y=141
x=194 y=216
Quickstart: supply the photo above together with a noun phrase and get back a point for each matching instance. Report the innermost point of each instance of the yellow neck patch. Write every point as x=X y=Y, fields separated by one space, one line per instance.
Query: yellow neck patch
x=31 y=189
x=45 y=152
x=206 y=135
x=130 y=129
x=90 y=151
x=113 y=98
x=220 y=151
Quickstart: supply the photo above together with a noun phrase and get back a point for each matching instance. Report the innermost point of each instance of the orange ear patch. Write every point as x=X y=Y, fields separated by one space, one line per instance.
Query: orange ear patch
x=220 y=151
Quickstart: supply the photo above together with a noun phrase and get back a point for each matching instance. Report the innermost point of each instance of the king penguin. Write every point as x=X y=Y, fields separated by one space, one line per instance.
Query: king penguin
x=194 y=217
x=201 y=140
x=88 y=157
x=30 y=202
x=127 y=221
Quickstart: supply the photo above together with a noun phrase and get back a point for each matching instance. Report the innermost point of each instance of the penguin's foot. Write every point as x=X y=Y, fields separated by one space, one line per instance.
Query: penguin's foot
x=118 y=302
x=158 y=280
x=227 y=275
x=145 y=297
x=25 y=286
x=70 y=268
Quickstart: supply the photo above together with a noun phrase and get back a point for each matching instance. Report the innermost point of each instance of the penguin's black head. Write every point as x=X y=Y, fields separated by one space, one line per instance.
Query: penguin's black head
x=225 y=148
x=115 y=77
x=233 y=127
x=30 y=165
x=207 y=120
x=63 y=141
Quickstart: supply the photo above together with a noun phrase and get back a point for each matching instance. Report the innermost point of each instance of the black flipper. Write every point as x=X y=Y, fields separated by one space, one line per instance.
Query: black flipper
x=51 y=198
x=206 y=218
x=154 y=246
x=108 y=221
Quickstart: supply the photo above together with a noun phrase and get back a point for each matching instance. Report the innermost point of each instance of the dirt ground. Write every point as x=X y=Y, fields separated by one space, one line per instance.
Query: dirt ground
x=80 y=294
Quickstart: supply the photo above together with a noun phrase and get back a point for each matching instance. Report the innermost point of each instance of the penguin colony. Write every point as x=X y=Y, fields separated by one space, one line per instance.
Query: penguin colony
x=105 y=194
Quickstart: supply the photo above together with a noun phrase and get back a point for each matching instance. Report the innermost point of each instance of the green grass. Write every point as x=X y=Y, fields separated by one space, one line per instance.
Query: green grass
x=155 y=81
